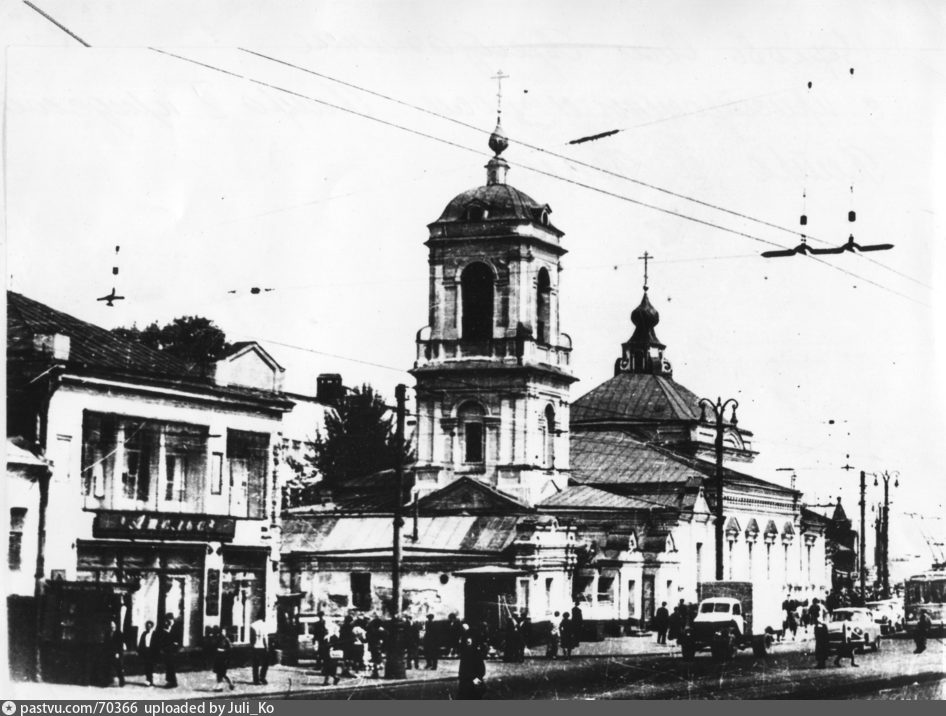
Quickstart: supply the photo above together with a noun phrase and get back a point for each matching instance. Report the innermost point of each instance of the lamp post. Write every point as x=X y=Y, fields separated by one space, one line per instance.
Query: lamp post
x=885 y=531
x=718 y=408
x=862 y=564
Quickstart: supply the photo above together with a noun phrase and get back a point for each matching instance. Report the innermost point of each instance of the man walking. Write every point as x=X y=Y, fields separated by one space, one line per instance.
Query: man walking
x=170 y=644
x=431 y=646
x=821 y=642
x=923 y=627
x=661 y=623
x=259 y=641
x=472 y=669
x=146 y=651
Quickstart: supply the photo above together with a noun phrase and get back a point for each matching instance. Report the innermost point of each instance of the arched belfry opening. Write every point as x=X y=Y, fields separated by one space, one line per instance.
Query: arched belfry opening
x=476 y=283
x=543 y=304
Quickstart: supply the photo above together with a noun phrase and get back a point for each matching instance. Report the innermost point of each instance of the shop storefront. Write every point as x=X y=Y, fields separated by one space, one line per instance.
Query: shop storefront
x=243 y=590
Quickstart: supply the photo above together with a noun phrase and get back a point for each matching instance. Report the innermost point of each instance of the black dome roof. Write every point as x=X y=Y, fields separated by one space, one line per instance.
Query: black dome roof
x=501 y=201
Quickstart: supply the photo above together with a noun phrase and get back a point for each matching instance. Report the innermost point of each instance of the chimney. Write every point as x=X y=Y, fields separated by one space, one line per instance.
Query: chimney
x=329 y=389
x=54 y=345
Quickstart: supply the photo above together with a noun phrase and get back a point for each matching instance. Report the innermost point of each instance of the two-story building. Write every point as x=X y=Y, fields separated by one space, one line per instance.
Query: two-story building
x=162 y=481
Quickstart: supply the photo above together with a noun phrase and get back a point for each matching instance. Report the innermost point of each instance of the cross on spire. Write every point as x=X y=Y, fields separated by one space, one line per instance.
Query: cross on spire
x=645 y=258
x=499 y=77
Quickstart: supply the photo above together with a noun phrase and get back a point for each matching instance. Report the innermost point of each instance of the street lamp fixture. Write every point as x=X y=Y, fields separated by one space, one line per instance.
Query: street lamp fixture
x=885 y=530
x=718 y=408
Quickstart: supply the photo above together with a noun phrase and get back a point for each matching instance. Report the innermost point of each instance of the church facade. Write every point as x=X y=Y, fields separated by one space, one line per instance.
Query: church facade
x=524 y=500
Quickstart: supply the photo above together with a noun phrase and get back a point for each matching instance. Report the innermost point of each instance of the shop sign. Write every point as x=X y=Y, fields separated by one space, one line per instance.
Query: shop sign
x=149 y=525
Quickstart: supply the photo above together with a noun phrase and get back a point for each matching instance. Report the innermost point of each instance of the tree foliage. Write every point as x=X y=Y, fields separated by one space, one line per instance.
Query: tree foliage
x=193 y=339
x=359 y=438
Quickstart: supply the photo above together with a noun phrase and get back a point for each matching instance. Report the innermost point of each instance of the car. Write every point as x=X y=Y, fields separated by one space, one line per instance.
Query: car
x=854 y=626
x=888 y=613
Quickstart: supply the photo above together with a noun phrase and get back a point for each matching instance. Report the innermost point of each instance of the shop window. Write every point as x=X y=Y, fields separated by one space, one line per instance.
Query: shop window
x=15 y=547
x=605 y=590
x=247 y=456
x=476 y=284
x=361 y=590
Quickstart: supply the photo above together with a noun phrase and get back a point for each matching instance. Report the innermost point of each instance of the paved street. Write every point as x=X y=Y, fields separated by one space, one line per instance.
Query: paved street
x=629 y=668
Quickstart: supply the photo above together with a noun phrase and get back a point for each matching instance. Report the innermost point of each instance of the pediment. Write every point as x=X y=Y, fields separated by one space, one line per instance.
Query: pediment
x=469 y=496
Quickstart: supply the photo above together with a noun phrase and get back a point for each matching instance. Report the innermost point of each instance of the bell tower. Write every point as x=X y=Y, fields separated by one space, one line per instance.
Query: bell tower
x=492 y=366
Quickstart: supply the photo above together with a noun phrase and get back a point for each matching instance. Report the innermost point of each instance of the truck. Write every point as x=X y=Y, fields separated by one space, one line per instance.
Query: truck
x=731 y=616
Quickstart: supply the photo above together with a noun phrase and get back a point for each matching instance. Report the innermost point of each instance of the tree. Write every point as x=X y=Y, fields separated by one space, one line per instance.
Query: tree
x=359 y=438
x=193 y=339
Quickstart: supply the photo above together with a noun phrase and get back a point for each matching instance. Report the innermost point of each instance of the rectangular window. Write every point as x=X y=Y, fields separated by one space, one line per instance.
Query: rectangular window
x=605 y=590
x=473 y=442
x=98 y=453
x=185 y=447
x=140 y=443
x=631 y=598
x=216 y=474
x=15 y=547
x=361 y=590
x=247 y=455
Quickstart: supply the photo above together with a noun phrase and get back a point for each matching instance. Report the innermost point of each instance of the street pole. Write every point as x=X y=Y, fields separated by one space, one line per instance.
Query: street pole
x=863 y=547
x=885 y=532
x=395 y=667
x=718 y=409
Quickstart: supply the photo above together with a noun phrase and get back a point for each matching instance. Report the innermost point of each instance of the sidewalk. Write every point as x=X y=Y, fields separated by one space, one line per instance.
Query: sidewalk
x=285 y=680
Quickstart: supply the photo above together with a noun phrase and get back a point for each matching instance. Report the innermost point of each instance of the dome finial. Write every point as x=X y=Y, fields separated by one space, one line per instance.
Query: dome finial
x=645 y=258
x=497 y=140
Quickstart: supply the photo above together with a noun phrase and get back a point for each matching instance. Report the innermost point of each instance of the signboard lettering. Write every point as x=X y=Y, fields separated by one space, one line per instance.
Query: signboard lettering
x=143 y=525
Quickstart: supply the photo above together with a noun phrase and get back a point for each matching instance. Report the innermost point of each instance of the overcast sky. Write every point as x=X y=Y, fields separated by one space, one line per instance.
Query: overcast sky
x=213 y=183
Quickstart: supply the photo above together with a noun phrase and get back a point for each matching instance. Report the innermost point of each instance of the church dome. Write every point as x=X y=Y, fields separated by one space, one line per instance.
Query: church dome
x=494 y=201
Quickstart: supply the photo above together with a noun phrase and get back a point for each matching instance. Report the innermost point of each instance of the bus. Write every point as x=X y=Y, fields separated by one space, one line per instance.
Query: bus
x=925 y=591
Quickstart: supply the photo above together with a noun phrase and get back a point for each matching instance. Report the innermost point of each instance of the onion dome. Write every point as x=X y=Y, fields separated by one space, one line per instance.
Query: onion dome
x=497 y=140
x=645 y=318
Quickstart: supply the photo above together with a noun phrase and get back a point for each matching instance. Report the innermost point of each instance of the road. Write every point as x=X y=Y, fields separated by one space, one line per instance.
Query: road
x=895 y=672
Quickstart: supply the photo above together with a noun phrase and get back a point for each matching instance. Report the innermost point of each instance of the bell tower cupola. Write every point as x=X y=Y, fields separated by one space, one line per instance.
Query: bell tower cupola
x=643 y=352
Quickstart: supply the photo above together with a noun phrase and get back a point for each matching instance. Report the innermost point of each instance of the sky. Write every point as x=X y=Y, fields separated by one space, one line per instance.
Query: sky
x=299 y=180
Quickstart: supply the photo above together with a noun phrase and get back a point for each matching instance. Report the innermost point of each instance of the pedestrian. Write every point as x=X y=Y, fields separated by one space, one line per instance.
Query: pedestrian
x=431 y=644
x=454 y=635
x=358 y=638
x=259 y=643
x=412 y=632
x=791 y=623
x=472 y=672
x=846 y=648
x=566 y=628
x=146 y=651
x=555 y=638
x=319 y=633
x=923 y=627
x=170 y=645
x=815 y=611
x=115 y=653
x=332 y=653
x=675 y=624
x=375 y=637
x=221 y=658
x=662 y=623
x=822 y=643
x=346 y=641
x=578 y=622
x=511 y=641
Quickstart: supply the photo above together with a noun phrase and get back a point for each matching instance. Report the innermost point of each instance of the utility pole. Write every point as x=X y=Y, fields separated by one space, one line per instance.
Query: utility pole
x=863 y=548
x=394 y=667
x=885 y=531
x=718 y=408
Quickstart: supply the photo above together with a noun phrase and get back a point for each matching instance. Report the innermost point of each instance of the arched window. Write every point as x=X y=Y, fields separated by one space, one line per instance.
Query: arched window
x=543 y=303
x=476 y=283
x=472 y=433
x=549 y=430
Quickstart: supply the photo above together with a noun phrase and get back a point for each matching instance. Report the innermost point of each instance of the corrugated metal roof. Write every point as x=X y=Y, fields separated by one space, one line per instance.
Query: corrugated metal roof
x=636 y=397
x=446 y=533
x=586 y=496
x=612 y=456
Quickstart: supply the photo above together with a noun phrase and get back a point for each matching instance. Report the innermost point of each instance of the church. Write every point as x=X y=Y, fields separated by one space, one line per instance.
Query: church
x=524 y=499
